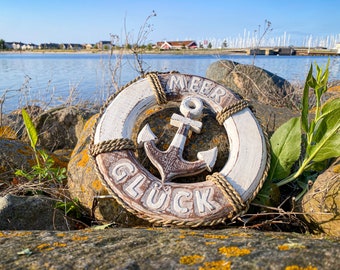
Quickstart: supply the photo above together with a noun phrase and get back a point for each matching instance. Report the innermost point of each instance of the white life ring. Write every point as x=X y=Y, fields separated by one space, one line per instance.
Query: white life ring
x=190 y=204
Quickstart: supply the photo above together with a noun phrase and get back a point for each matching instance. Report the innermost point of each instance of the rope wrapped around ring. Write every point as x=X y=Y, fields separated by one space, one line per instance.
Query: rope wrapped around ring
x=157 y=88
x=228 y=191
x=111 y=145
x=230 y=110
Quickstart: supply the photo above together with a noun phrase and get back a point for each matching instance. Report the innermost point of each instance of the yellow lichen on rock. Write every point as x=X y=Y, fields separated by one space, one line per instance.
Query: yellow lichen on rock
x=234 y=251
x=191 y=259
x=216 y=265
x=7 y=133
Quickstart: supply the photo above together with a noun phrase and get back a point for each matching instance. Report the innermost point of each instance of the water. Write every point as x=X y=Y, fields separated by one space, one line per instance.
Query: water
x=52 y=79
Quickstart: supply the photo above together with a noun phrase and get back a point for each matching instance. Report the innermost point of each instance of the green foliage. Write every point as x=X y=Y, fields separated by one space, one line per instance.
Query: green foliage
x=317 y=136
x=70 y=207
x=44 y=168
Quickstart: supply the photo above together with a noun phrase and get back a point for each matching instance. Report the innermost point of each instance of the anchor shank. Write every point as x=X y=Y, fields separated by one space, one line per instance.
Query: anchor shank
x=180 y=137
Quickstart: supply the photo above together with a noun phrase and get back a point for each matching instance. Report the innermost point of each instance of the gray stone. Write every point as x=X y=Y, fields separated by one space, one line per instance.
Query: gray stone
x=166 y=248
x=31 y=213
x=321 y=204
x=253 y=83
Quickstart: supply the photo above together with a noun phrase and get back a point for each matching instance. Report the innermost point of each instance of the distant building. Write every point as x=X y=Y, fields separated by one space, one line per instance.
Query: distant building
x=337 y=47
x=177 y=45
x=104 y=45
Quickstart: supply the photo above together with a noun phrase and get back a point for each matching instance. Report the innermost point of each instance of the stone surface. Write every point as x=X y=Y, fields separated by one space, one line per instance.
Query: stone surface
x=321 y=204
x=59 y=128
x=166 y=248
x=253 y=83
x=16 y=155
x=32 y=213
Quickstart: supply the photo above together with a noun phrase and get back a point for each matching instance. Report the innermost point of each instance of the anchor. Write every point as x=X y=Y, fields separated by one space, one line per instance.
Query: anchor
x=170 y=163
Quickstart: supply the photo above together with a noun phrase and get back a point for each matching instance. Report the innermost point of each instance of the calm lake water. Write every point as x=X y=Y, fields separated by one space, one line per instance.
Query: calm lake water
x=51 y=79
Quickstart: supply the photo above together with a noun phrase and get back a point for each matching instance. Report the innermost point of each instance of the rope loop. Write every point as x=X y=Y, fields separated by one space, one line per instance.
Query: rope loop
x=228 y=191
x=230 y=110
x=111 y=145
x=157 y=87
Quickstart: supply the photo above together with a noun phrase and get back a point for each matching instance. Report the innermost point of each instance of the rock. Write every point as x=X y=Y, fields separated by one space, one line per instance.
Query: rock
x=16 y=155
x=32 y=213
x=270 y=96
x=59 y=128
x=84 y=184
x=253 y=83
x=321 y=204
x=166 y=248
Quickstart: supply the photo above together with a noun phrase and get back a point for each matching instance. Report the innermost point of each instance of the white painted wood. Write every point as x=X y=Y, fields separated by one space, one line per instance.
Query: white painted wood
x=247 y=158
x=209 y=157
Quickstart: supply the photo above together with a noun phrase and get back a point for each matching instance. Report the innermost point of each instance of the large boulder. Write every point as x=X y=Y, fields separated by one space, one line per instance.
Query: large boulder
x=85 y=184
x=32 y=213
x=167 y=248
x=321 y=204
x=271 y=97
x=253 y=83
x=59 y=128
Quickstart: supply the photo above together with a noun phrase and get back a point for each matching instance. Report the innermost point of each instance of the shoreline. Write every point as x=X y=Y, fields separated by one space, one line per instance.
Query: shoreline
x=233 y=51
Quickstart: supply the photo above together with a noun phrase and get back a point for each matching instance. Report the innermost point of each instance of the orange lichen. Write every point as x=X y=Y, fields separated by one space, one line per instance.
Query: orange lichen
x=97 y=185
x=182 y=236
x=296 y=267
x=8 y=133
x=90 y=123
x=288 y=246
x=234 y=251
x=84 y=158
x=45 y=247
x=336 y=169
x=57 y=244
x=14 y=234
x=216 y=265
x=191 y=259
x=216 y=236
x=210 y=243
x=60 y=234
x=79 y=238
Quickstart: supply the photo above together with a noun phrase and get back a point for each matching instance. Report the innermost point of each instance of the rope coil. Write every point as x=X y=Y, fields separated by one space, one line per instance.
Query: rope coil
x=157 y=88
x=111 y=145
x=230 y=110
x=228 y=191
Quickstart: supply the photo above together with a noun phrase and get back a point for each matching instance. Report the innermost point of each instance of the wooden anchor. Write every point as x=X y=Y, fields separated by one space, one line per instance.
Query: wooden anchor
x=170 y=163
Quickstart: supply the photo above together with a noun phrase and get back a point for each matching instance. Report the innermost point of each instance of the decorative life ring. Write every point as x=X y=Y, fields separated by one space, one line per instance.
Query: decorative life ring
x=224 y=195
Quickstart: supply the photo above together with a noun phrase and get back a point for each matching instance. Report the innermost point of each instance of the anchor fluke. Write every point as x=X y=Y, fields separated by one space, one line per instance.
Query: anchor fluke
x=209 y=157
x=146 y=135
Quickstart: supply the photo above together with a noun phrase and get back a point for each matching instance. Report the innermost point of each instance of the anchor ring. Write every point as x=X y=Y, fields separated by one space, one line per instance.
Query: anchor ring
x=224 y=194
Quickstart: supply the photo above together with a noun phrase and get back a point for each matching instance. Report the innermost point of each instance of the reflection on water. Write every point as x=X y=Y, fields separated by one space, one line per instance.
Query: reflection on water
x=52 y=79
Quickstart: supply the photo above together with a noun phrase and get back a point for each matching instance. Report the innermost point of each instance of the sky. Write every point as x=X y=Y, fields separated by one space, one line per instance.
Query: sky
x=89 y=21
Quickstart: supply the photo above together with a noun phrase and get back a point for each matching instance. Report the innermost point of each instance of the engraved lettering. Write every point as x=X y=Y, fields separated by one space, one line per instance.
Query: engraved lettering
x=156 y=198
x=133 y=187
x=122 y=170
x=206 y=87
x=194 y=85
x=202 y=200
x=178 y=201
x=217 y=93
x=177 y=82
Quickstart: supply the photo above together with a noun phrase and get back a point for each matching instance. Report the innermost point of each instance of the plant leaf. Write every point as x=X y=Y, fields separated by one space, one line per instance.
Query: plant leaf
x=305 y=100
x=31 y=131
x=286 y=147
x=327 y=138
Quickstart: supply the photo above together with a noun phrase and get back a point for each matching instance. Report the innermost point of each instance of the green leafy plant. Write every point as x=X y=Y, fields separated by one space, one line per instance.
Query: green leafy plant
x=306 y=143
x=44 y=168
x=70 y=207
